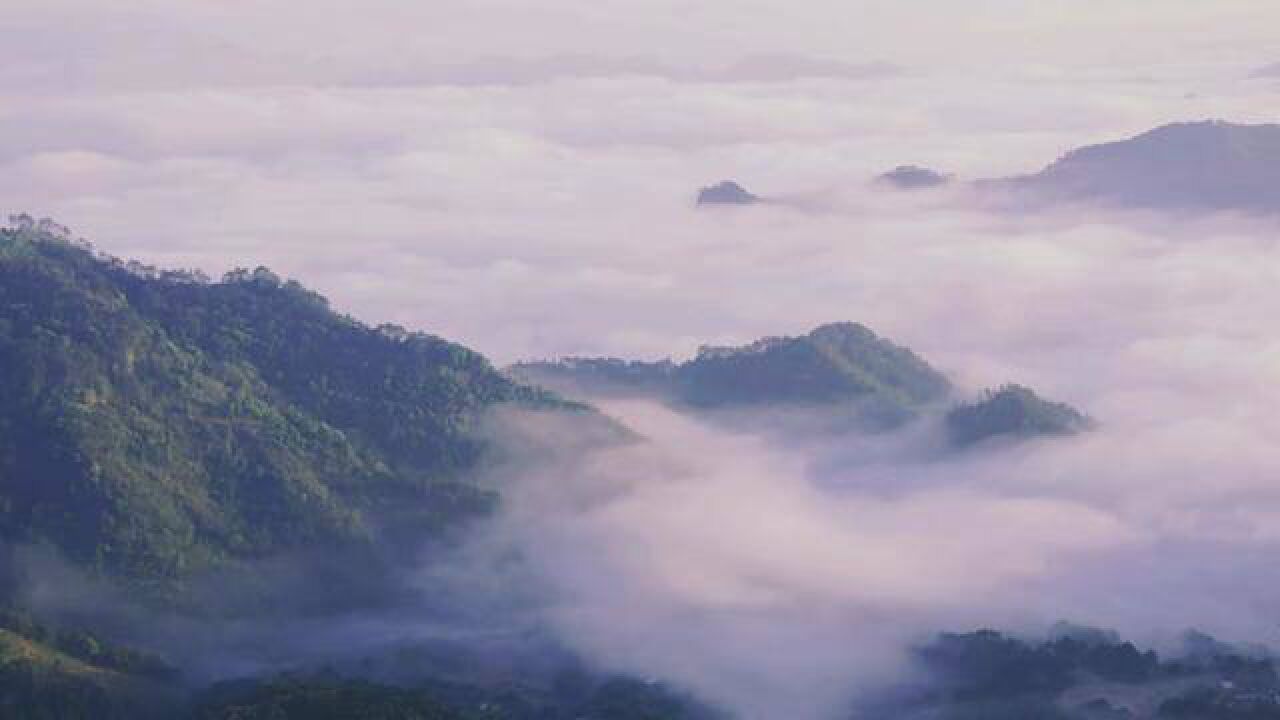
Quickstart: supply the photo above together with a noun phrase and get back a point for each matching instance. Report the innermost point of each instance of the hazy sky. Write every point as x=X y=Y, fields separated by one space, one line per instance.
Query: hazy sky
x=518 y=175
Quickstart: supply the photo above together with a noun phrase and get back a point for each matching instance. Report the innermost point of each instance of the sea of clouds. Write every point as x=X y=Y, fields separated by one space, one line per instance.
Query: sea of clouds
x=522 y=180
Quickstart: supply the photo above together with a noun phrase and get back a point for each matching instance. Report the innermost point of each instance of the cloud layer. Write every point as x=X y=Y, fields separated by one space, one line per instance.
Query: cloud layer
x=474 y=168
x=521 y=179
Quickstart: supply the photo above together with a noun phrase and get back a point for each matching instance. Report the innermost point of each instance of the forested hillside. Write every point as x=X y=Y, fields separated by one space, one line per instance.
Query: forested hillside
x=55 y=674
x=1080 y=673
x=153 y=423
x=839 y=370
x=1013 y=411
x=842 y=367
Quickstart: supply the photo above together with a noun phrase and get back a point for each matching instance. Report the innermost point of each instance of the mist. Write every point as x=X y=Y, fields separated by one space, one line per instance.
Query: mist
x=478 y=183
x=524 y=181
x=780 y=577
x=786 y=578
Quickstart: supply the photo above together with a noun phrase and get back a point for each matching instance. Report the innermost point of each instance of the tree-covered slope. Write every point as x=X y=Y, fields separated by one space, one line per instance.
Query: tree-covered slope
x=833 y=364
x=284 y=698
x=153 y=423
x=1083 y=675
x=600 y=375
x=1013 y=411
x=66 y=675
x=839 y=366
x=325 y=696
x=842 y=369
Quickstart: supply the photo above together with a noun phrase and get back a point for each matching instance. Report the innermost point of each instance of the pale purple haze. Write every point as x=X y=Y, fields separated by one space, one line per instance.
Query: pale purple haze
x=520 y=177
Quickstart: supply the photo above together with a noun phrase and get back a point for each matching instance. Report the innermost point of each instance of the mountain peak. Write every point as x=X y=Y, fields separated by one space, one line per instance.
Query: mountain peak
x=726 y=192
x=1200 y=166
x=842 y=366
x=284 y=423
x=843 y=330
x=913 y=177
x=1013 y=411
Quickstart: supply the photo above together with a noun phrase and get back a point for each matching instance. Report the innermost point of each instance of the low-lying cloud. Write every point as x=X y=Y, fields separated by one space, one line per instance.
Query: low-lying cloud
x=541 y=204
x=786 y=578
x=721 y=562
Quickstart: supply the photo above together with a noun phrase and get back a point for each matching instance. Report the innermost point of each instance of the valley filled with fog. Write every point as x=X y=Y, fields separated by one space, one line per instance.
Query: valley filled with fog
x=525 y=184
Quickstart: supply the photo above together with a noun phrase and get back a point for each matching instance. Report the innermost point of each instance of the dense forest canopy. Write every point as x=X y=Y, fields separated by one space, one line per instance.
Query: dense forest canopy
x=842 y=368
x=839 y=367
x=153 y=423
x=1013 y=411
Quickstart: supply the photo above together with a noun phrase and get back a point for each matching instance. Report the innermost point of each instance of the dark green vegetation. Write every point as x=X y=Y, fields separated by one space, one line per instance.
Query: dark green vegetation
x=85 y=647
x=601 y=375
x=153 y=424
x=843 y=368
x=1208 y=703
x=987 y=664
x=1081 y=675
x=321 y=698
x=836 y=366
x=325 y=697
x=1210 y=165
x=182 y=442
x=59 y=675
x=52 y=674
x=38 y=682
x=1013 y=411
x=833 y=364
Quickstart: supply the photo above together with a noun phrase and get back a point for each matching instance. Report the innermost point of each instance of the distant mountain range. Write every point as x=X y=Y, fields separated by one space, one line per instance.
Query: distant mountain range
x=1190 y=167
x=840 y=366
x=726 y=192
x=1082 y=673
x=49 y=673
x=842 y=371
x=1195 y=166
x=913 y=177
x=46 y=672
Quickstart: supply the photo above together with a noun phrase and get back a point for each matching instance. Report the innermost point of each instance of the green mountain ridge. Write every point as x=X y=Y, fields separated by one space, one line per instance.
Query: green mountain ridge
x=1013 y=411
x=42 y=678
x=837 y=366
x=834 y=363
x=841 y=368
x=1081 y=674
x=153 y=424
